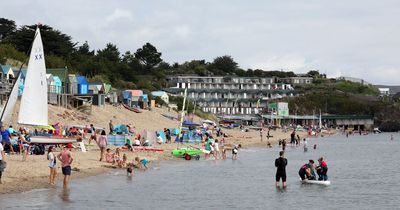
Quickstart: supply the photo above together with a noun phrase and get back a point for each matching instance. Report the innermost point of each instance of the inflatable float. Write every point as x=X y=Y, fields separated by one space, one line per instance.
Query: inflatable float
x=187 y=153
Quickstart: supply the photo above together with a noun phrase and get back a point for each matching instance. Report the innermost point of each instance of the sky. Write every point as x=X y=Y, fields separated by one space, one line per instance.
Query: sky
x=357 y=38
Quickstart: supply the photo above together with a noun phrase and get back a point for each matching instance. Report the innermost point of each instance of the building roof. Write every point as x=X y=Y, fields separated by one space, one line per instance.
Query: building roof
x=96 y=83
x=158 y=93
x=250 y=91
x=346 y=117
x=72 y=78
x=23 y=72
x=292 y=117
x=81 y=80
x=62 y=73
x=5 y=69
x=57 y=80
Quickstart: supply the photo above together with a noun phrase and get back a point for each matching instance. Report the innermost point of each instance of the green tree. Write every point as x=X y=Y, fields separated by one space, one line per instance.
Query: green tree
x=54 y=42
x=223 y=65
x=148 y=56
x=8 y=51
x=7 y=27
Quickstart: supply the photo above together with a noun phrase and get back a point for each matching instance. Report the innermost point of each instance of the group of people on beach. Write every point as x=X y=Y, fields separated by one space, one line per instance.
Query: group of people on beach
x=217 y=148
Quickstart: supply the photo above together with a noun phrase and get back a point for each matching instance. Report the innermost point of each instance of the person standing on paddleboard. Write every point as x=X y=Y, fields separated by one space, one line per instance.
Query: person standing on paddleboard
x=280 y=164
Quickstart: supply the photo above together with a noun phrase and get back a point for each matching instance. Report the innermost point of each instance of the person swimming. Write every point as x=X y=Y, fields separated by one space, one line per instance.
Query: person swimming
x=307 y=171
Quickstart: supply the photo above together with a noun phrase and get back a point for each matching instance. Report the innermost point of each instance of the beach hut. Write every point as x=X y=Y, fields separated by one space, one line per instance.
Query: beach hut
x=96 y=87
x=126 y=96
x=23 y=73
x=99 y=99
x=7 y=72
x=162 y=94
x=57 y=84
x=107 y=88
x=62 y=74
x=83 y=85
x=50 y=83
x=136 y=92
x=72 y=84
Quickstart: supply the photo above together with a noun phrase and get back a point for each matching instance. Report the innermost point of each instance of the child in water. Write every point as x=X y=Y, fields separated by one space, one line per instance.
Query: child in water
x=129 y=169
x=235 y=151
x=142 y=163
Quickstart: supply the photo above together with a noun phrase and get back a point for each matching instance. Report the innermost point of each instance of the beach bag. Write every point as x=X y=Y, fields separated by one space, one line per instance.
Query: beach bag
x=38 y=150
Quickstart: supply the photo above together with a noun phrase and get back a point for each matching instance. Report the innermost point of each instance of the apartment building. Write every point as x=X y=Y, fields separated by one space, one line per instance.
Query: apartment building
x=229 y=95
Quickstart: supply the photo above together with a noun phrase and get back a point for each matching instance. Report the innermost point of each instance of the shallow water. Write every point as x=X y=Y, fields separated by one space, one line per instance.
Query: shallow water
x=364 y=171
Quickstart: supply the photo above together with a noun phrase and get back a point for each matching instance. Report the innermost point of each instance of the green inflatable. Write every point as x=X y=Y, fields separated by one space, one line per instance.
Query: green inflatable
x=187 y=153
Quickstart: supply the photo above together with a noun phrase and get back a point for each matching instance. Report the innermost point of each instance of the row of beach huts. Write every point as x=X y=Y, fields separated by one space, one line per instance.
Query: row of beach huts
x=61 y=83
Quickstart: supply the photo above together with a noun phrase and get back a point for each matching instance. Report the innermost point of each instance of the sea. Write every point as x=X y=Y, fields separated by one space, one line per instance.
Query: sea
x=364 y=171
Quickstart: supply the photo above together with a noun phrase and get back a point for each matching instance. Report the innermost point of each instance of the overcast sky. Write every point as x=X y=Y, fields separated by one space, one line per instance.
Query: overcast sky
x=359 y=38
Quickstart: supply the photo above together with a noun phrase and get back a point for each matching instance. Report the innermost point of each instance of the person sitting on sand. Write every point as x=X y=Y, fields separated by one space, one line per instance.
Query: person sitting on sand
x=136 y=143
x=109 y=156
x=142 y=163
x=159 y=138
x=117 y=157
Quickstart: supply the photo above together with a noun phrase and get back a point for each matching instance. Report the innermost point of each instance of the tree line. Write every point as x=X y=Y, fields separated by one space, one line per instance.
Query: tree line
x=143 y=68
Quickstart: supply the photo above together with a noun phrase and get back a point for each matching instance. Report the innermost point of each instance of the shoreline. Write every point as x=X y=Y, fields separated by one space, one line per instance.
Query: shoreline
x=21 y=176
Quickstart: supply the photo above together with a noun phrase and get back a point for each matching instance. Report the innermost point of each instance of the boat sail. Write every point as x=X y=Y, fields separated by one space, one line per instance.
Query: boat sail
x=33 y=109
x=12 y=100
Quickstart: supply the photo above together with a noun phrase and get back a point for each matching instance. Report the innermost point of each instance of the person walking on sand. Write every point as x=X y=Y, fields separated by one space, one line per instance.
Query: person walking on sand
x=280 y=164
x=52 y=165
x=102 y=143
x=66 y=159
x=111 y=126
x=92 y=134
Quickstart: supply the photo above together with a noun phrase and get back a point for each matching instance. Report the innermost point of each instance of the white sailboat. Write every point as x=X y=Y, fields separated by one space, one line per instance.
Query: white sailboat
x=33 y=109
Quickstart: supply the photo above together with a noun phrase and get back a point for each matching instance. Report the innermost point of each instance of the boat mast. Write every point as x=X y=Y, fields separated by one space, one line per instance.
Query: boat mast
x=182 y=116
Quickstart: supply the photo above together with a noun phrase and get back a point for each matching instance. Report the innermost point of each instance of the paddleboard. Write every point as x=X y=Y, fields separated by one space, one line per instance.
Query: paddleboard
x=306 y=181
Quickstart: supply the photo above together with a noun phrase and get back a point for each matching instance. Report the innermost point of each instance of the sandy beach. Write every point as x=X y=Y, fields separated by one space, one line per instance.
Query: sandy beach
x=33 y=173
